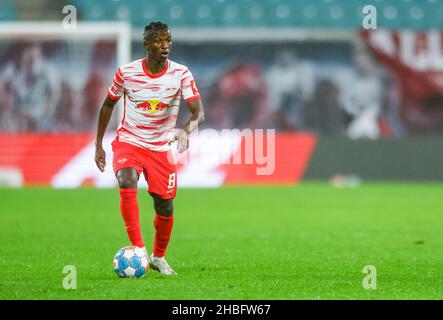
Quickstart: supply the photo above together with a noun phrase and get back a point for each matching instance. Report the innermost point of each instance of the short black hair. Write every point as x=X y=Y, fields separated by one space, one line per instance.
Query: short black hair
x=153 y=27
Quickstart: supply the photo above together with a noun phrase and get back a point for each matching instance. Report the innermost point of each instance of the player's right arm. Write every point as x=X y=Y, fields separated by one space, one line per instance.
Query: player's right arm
x=114 y=93
x=103 y=120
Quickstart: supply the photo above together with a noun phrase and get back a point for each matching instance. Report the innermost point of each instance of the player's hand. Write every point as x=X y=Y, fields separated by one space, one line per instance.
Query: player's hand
x=182 y=140
x=100 y=158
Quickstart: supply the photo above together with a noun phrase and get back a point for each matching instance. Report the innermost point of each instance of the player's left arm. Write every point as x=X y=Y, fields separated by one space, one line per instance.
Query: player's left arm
x=195 y=106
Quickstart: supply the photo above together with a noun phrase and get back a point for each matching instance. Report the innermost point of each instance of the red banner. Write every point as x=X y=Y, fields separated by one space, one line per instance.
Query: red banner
x=416 y=61
x=38 y=157
x=66 y=160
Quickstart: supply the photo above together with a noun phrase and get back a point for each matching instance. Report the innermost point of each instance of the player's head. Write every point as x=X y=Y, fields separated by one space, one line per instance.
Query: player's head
x=157 y=40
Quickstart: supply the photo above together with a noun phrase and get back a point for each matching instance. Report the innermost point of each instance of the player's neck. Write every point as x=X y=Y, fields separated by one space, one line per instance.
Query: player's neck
x=154 y=66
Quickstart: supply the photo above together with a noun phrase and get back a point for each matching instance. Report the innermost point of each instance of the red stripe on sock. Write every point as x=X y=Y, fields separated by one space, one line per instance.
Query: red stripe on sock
x=130 y=213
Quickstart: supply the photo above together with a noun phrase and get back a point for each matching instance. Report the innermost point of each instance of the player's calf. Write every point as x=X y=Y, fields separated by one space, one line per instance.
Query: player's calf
x=163 y=207
x=163 y=223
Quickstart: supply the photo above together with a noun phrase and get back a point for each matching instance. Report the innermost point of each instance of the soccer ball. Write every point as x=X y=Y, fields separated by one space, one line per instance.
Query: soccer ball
x=131 y=262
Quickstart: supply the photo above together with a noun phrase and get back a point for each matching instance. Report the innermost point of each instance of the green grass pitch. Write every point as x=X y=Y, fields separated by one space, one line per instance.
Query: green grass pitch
x=305 y=242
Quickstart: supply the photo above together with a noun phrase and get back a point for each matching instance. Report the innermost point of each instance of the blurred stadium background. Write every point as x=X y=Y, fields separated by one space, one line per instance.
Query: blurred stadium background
x=344 y=100
x=351 y=107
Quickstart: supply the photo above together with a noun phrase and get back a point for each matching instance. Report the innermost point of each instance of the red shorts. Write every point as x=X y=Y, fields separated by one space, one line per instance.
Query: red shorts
x=160 y=173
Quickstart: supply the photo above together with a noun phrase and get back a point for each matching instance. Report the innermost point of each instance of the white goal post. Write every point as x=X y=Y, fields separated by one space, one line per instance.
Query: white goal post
x=119 y=31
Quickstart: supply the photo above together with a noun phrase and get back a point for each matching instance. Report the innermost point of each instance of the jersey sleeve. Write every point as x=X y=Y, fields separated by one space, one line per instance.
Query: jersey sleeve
x=188 y=87
x=116 y=89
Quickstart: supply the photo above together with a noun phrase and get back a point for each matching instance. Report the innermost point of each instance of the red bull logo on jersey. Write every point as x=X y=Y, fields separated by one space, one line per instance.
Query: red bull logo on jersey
x=152 y=106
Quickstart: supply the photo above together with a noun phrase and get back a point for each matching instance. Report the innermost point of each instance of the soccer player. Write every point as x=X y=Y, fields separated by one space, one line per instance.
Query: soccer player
x=151 y=88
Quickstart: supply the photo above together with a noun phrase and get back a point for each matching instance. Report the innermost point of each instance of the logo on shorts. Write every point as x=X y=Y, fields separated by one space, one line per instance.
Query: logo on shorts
x=121 y=161
x=152 y=106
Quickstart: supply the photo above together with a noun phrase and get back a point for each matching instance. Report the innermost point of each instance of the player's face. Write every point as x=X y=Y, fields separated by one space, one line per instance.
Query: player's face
x=159 y=45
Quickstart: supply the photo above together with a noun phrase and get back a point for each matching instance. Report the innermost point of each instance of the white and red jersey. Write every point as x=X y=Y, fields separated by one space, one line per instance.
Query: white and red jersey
x=151 y=102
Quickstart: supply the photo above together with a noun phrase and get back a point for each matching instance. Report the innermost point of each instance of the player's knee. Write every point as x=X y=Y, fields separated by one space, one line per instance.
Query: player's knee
x=127 y=179
x=163 y=207
x=127 y=182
